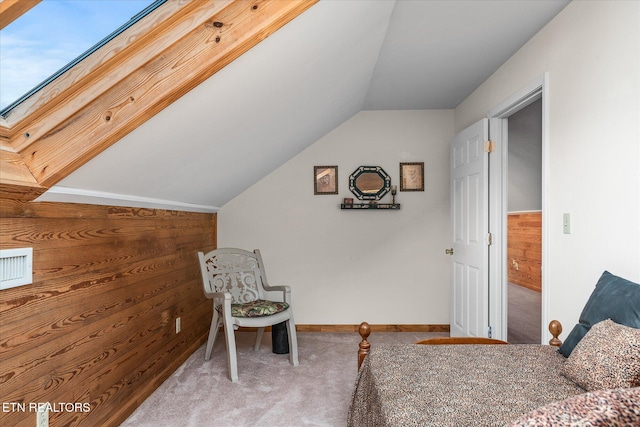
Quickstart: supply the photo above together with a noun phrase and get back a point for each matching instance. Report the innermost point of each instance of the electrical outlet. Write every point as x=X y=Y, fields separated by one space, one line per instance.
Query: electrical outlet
x=42 y=418
x=178 y=325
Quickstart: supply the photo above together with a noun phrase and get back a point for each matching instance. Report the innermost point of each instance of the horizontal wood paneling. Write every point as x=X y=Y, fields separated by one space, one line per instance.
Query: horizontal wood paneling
x=97 y=325
x=524 y=249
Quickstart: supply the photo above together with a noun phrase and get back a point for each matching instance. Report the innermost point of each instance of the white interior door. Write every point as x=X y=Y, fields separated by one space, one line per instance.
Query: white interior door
x=469 y=207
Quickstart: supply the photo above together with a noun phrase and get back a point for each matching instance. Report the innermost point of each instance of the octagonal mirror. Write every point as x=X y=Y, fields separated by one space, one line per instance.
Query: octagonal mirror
x=369 y=183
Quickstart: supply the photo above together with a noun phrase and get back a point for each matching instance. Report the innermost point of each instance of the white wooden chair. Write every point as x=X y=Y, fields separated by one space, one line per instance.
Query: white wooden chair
x=235 y=279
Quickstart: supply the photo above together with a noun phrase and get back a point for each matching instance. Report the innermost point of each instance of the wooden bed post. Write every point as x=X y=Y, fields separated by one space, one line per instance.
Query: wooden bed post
x=555 y=327
x=364 y=330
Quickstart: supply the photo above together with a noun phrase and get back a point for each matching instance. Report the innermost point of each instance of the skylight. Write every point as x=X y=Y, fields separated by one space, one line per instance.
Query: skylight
x=55 y=35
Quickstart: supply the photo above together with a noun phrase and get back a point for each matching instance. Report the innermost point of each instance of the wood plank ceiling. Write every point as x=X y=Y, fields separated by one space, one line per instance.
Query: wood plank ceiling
x=126 y=82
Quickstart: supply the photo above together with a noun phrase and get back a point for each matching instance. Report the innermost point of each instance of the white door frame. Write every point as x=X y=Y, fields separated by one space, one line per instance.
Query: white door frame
x=498 y=203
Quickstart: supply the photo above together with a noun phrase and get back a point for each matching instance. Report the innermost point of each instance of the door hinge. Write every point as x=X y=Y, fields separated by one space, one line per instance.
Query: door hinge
x=489 y=332
x=489 y=239
x=489 y=146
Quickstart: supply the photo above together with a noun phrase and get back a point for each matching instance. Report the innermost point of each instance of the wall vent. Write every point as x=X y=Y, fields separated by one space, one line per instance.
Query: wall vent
x=15 y=267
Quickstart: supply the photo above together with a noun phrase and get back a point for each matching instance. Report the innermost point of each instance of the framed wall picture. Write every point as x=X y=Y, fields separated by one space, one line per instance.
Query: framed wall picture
x=412 y=176
x=325 y=180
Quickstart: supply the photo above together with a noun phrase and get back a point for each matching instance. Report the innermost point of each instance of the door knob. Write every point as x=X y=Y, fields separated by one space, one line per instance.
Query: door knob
x=448 y=251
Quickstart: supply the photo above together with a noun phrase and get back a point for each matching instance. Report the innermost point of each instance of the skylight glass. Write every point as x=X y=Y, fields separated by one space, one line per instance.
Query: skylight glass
x=53 y=36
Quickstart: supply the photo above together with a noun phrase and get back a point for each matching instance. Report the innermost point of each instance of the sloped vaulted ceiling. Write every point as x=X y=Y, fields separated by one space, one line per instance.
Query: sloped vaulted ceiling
x=253 y=115
x=330 y=62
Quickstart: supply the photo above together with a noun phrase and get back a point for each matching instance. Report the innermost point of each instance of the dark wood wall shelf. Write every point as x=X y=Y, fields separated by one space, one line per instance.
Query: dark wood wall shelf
x=358 y=206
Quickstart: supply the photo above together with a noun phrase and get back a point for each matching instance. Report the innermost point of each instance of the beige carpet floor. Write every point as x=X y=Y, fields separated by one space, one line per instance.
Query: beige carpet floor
x=270 y=391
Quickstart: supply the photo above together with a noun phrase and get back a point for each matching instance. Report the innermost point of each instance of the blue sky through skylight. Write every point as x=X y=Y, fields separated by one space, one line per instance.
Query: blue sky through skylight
x=51 y=35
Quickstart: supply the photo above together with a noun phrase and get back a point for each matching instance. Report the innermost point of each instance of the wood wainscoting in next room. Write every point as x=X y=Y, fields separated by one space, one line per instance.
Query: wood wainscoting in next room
x=524 y=249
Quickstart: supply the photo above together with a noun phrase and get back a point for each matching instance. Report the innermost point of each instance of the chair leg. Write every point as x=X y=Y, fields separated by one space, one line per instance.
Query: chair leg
x=232 y=360
x=213 y=332
x=293 y=341
x=258 y=339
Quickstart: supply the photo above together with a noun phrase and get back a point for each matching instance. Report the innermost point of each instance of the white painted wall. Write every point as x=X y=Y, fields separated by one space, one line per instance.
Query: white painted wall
x=345 y=267
x=389 y=267
x=591 y=51
x=525 y=159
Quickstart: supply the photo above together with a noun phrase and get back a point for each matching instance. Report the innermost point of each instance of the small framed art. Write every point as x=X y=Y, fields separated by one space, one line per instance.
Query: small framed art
x=325 y=180
x=412 y=176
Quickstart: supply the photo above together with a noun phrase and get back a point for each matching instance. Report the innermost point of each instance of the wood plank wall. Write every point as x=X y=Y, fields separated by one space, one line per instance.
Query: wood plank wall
x=524 y=249
x=97 y=326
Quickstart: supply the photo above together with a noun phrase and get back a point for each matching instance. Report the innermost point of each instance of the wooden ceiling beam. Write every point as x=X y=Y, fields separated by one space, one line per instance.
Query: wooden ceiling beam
x=10 y=10
x=14 y=173
x=134 y=83
x=112 y=62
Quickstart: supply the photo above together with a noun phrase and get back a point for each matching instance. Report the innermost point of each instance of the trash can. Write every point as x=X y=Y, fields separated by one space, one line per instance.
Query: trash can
x=279 y=339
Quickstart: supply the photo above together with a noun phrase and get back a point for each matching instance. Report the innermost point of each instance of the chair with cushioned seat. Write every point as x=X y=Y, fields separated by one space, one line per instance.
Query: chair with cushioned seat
x=236 y=281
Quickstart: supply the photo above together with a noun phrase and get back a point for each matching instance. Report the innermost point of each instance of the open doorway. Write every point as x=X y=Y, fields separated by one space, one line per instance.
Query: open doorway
x=499 y=118
x=524 y=225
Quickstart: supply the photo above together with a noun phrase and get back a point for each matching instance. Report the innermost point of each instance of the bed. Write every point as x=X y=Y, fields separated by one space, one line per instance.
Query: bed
x=596 y=375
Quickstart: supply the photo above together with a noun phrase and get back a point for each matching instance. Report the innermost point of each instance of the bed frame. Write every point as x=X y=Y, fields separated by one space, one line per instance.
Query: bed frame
x=555 y=328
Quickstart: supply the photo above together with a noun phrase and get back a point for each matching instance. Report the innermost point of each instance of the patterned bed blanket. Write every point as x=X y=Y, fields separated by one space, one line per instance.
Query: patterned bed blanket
x=456 y=385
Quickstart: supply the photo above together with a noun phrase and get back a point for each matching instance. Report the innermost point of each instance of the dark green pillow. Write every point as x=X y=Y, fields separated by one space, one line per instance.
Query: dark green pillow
x=614 y=298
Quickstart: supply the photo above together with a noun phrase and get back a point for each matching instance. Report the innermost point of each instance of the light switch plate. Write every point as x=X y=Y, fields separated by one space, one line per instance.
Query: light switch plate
x=566 y=223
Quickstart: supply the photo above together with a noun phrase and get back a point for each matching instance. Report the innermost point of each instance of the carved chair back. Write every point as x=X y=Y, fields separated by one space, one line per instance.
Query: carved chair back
x=235 y=271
